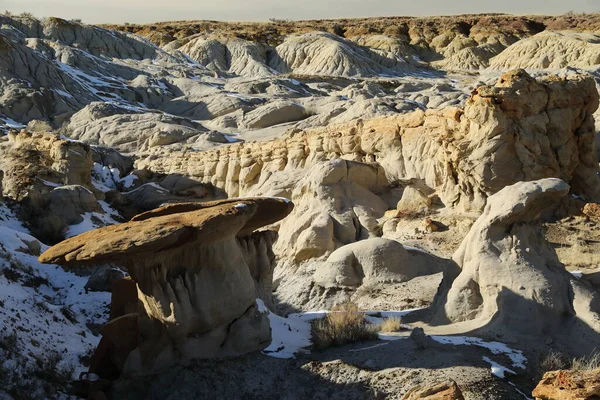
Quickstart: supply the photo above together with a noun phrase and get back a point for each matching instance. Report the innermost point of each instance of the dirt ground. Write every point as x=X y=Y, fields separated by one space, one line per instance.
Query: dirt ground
x=368 y=370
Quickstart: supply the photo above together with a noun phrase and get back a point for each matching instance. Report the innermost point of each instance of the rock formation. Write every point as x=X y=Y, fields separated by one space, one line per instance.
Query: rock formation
x=374 y=261
x=39 y=162
x=519 y=129
x=198 y=268
x=435 y=391
x=551 y=50
x=568 y=385
x=511 y=281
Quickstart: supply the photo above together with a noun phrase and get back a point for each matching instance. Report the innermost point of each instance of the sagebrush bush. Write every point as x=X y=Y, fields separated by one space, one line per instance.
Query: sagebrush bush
x=344 y=324
x=392 y=324
x=553 y=361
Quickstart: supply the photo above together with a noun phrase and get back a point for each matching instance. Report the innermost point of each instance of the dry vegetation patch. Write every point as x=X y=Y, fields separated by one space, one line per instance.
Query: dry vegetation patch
x=392 y=324
x=344 y=324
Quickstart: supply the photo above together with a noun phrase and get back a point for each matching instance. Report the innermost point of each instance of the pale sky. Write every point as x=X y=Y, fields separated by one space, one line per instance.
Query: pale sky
x=139 y=11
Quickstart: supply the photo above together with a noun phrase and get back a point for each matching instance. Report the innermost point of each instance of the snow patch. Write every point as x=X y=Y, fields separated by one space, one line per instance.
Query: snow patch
x=289 y=335
x=94 y=220
x=577 y=274
x=516 y=356
x=497 y=369
x=48 y=308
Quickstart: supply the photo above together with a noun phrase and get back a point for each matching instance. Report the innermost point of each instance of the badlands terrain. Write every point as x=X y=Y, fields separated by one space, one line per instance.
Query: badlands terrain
x=384 y=208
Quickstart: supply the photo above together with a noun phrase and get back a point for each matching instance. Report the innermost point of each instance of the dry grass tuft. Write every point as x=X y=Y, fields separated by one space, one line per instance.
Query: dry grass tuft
x=392 y=324
x=553 y=361
x=344 y=324
x=588 y=363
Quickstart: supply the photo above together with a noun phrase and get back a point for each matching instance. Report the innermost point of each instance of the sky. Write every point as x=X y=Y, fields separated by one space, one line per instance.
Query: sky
x=143 y=11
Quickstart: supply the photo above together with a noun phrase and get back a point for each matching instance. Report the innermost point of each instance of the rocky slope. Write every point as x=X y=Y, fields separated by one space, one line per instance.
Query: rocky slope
x=398 y=163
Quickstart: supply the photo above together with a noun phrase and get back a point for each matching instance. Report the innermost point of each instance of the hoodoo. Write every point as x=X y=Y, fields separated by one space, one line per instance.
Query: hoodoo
x=196 y=269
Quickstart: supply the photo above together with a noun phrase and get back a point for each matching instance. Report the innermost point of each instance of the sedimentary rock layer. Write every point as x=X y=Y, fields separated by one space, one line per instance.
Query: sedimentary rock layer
x=519 y=129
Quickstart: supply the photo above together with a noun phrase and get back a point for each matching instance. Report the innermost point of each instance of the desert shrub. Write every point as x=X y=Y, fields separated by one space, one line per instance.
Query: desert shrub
x=588 y=363
x=344 y=324
x=9 y=344
x=48 y=368
x=553 y=361
x=392 y=324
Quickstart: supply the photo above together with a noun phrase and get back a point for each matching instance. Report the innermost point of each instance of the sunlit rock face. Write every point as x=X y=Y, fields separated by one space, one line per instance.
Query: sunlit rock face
x=198 y=269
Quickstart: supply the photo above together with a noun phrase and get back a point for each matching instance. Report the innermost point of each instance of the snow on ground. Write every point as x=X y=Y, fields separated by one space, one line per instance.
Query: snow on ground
x=497 y=369
x=105 y=178
x=577 y=274
x=94 y=220
x=292 y=335
x=289 y=335
x=7 y=123
x=45 y=309
x=516 y=356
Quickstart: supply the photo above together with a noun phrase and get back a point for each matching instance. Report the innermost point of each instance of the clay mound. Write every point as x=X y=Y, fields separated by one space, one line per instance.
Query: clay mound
x=335 y=206
x=171 y=227
x=471 y=58
x=325 y=54
x=375 y=260
x=551 y=50
x=99 y=41
x=228 y=55
x=274 y=113
x=130 y=129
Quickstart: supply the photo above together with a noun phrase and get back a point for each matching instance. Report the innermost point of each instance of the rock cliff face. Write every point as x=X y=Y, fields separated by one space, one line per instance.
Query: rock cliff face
x=198 y=268
x=42 y=161
x=519 y=129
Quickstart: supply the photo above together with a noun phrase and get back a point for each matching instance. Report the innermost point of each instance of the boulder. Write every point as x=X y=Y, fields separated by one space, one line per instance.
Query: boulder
x=374 y=260
x=69 y=202
x=435 y=391
x=413 y=201
x=194 y=283
x=275 y=113
x=592 y=211
x=568 y=385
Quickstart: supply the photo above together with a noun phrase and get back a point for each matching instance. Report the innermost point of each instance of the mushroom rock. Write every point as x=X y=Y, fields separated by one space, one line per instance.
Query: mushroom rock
x=512 y=283
x=194 y=266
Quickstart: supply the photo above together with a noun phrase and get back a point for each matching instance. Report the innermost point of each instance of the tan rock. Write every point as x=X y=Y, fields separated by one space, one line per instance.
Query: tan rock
x=436 y=391
x=194 y=277
x=568 y=385
x=520 y=129
x=33 y=158
x=592 y=211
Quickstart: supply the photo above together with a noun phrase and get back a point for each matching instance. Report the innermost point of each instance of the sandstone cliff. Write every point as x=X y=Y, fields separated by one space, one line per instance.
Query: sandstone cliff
x=519 y=129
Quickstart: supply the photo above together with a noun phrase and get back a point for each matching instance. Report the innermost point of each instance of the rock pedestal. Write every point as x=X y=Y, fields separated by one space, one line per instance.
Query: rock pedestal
x=198 y=270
